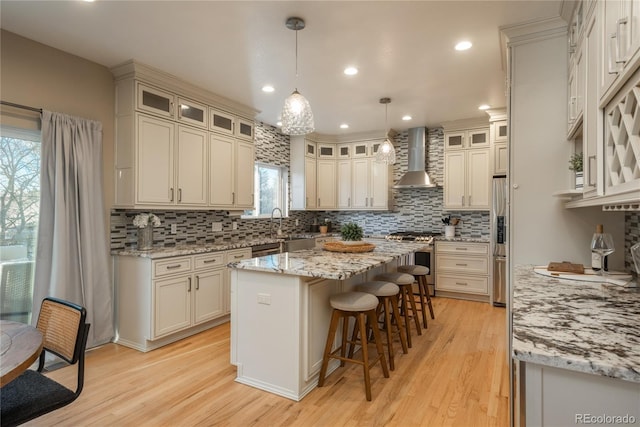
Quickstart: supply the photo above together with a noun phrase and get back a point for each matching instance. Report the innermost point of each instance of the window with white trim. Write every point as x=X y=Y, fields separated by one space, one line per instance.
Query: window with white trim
x=271 y=191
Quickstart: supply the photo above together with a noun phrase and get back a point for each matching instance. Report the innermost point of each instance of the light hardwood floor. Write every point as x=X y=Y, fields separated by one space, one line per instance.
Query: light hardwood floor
x=455 y=375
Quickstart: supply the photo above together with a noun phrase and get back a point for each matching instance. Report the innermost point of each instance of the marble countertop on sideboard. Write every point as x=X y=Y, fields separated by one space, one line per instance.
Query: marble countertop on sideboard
x=196 y=248
x=462 y=239
x=329 y=265
x=581 y=326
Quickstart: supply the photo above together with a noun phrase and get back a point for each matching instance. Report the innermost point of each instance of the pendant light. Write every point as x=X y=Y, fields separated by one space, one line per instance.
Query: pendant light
x=386 y=153
x=297 y=118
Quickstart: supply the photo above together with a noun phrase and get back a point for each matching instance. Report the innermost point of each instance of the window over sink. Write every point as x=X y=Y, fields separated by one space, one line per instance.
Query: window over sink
x=271 y=191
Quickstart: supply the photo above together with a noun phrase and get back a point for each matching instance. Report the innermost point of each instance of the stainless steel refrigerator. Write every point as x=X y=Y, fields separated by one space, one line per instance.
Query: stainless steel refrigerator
x=499 y=240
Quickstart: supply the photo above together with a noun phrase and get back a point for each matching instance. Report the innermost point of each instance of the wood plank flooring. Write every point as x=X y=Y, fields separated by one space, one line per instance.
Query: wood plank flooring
x=455 y=375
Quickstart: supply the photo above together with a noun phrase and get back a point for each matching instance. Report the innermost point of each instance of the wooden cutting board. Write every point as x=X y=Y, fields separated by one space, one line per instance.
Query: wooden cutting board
x=566 y=267
x=589 y=275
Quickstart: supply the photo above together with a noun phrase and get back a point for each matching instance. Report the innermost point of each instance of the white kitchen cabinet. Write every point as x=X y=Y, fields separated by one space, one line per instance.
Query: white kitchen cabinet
x=462 y=270
x=369 y=184
x=164 y=300
x=155 y=101
x=231 y=173
x=302 y=172
x=343 y=151
x=472 y=138
x=192 y=164
x=467 y=180
x=310 y=169
x=500 y=158
x=379 y=185
x=162 y=128
x=344 y=183
x=592 y=126
x=498 y=137
x=192 y=113
x=360 y=183
x=155 y=161
x=326 y=151
x=576 y=87
x=499 y=131
x=326 y=183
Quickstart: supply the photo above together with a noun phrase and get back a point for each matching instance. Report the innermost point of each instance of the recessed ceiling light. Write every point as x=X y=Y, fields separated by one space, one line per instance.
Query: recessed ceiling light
x=484 y=107
x=344 y=126
x=351 y=71
x=406 y=118
x=464 y=45
x=279 y=124
x=268 y=88
x=89 y=1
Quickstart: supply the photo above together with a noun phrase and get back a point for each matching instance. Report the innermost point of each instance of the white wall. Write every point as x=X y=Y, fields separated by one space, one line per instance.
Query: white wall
x=542 y=230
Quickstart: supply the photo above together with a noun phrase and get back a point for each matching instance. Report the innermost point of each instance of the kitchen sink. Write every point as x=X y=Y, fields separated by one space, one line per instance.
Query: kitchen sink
x=298 y=243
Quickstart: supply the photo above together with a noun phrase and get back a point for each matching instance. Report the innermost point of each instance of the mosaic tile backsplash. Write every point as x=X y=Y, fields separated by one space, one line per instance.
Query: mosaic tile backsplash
x=631 y=237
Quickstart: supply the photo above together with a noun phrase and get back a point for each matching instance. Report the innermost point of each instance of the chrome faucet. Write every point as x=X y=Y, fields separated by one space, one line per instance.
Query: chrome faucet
x=279 y=226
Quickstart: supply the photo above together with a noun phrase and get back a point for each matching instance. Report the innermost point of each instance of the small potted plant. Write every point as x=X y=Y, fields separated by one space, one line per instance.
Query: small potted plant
x=145 y=223
x=351 y=232
x=575 y=164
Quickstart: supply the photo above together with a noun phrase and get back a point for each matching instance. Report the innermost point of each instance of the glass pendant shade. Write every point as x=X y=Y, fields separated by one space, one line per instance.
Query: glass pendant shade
x=386 y=153
x=297 y=117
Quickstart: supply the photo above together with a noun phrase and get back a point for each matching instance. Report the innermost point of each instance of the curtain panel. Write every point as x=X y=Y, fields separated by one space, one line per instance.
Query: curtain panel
x=72 y=258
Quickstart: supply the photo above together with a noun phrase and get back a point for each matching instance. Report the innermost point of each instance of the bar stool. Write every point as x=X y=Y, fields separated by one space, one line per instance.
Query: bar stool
x=361 y=306
x=420 y=273
x=404 y=282
x=387 y=294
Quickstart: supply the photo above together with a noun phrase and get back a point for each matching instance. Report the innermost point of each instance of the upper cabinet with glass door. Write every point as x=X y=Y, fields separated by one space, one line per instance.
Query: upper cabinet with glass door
x=229 y=124
x=155 y=101
x=474 y=138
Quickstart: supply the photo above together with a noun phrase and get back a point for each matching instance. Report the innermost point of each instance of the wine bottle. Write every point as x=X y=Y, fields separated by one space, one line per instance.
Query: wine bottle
x=596 y=260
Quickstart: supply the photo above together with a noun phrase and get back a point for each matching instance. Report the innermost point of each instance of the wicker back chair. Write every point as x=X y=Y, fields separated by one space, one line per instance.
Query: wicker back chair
x=64 y=330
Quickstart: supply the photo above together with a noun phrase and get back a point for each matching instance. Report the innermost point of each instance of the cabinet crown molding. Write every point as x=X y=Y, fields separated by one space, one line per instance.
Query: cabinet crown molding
x=137 y=70
x=464 y=124
x=352 y=137
x=496 y=114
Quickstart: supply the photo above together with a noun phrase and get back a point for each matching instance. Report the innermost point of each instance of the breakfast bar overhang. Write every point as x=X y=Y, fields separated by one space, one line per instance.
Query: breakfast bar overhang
x=280 y=311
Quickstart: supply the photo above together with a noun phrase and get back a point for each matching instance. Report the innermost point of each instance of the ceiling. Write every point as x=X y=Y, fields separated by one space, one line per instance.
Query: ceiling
x=403 y=50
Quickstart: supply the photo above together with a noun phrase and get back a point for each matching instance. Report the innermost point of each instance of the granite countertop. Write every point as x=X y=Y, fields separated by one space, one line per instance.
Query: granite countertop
x=461 y=239
x=165 y=252
x=329 y=265
x=581 y=326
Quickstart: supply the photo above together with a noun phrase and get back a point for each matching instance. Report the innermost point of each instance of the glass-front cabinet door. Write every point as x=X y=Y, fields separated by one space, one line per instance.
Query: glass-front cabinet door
x=310 y=150
x=454 y=140
x=326 y=151
x=192 y=112
x=155 y=101
x=244 y=129
x=344 y=151
x=360 y=150
x=221 y=122
x=478 y=138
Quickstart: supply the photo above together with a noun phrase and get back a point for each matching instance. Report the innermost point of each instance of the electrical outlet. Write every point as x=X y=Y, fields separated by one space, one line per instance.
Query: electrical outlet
x=264 y=299
x=297 y=222
x=234 y=225
x=174 y=228
x=216 y=226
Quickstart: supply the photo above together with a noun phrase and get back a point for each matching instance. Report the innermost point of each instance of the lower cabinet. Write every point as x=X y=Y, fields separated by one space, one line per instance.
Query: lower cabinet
x=162 y=301
x=462 y=270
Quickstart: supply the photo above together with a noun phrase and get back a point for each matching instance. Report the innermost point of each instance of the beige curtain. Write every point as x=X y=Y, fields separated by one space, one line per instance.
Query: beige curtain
x=72 y=256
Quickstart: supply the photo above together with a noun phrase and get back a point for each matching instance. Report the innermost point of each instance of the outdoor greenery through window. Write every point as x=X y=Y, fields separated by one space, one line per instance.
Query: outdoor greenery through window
x=270 y=190
x=19 y=211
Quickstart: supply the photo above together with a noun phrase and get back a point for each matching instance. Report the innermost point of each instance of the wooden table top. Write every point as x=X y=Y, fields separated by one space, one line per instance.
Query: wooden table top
x=20 y=346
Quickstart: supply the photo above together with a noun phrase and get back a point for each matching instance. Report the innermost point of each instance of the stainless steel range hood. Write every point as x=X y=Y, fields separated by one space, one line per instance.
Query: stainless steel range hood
x=416 y=176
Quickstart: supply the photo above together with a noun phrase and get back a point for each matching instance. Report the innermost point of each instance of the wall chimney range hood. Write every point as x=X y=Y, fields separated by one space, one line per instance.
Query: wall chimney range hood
x=416 y=176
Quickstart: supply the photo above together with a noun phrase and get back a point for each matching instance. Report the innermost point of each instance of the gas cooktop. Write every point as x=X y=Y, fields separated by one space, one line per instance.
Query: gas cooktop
x=412 y=236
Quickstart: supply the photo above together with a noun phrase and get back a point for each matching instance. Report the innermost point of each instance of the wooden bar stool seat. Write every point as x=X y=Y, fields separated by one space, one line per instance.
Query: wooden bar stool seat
x=361 y=306
x=387 y=294
x=404 y=282
x=420 y=273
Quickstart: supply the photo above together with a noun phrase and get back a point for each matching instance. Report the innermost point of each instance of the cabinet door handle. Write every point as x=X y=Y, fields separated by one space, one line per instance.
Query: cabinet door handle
x=238 y=256
x=179 y=194
x=612 y=51
x=189 y=288
x=619 y=22
x=171 y=108
x=174 y=266
x=307 y=202
x=233 y=198
x=469 y=201
x=592 y=168
x=171 y=200
x=462 y=202
x=461 y=265
x=319 y=202
x=461 y=249
x=462 y=283
x=209 y=261
x=197 y=283
x=349 y=201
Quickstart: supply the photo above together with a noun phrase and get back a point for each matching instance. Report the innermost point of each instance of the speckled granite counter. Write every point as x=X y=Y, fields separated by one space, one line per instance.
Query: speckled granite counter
x=165 y=252
x=461 y=239
x=586 y=327
x=329 y=265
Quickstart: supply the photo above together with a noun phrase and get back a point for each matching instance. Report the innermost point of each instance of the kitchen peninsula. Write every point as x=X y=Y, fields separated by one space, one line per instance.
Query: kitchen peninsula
x=577 y=349
x=280 y=311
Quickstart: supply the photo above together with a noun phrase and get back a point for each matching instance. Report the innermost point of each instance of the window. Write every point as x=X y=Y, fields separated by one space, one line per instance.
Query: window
x=19 y=211
x=271 y=190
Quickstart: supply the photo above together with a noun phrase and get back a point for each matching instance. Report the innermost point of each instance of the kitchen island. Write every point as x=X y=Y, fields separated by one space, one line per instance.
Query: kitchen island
x=280 y=311
x=576 y=347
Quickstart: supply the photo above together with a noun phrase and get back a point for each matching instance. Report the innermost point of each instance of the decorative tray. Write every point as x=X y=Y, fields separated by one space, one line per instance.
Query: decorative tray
x=352 y=247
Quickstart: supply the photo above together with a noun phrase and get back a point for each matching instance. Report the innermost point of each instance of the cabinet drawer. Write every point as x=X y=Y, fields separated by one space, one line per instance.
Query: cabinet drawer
x=462 y=248
x=238 y=254
x=171 y=266
x=462 y=264
x=459 y=283
x=215 y=259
